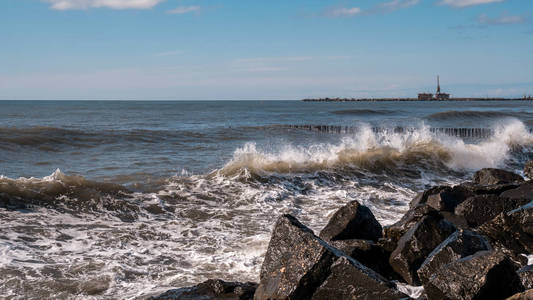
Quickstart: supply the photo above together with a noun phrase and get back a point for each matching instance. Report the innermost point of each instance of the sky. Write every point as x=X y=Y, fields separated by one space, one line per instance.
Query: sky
x=276 y=49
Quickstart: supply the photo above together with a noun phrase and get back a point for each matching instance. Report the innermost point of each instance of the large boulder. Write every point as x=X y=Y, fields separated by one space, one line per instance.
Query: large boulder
x=352 y=221
x=459 y=244
x=212 y=289
x=351 y=280
x=528 y=169
x=297 y=263
x=484 y=275
x=495 y=189
x=490 y=176
x=417 y=243
x=368 y=253
x=513 y=229
x=422 y=197
x=482 y=208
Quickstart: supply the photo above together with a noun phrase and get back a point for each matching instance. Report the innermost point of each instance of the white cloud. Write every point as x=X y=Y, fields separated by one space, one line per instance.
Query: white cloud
x=183 y=10
x=397 y=4
x=465 y=3
x=113 y=4
x=501 y=20
x=343 y=12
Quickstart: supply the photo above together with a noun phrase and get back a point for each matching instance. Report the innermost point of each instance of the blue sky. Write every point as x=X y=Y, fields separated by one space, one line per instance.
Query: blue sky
x=228 y=49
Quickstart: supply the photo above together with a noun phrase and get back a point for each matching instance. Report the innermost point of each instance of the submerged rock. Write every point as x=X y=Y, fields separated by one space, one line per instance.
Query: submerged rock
x=417 y=243
x=212 y=289
x=460 y=244
x=484 y=275
x=352 y=221
x=489 y=176
x=351 y=280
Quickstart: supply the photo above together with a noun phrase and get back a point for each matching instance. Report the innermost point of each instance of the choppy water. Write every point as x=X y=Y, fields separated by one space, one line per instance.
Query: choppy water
x=155 y=195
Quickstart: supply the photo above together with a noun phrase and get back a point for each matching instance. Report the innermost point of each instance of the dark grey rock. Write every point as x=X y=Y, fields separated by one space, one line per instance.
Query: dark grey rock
x=524 y=192
x=513 y=229
x=447 y=199
x=489 y=176
x=526 y=276
x=422 y=197
x=370 y=254
x=212 y=289
x=527 y=295
x=484 y=275
x=458 y=245
x=482 y=208
x=495 y=189
x=352 y=221
x=417 y=243
x=395 y=231
x=528 y=169
x=351 y=280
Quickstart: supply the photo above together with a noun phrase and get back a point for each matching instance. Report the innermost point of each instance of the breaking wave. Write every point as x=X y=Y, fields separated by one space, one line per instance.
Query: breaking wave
x=362 y=112
x=471 y=114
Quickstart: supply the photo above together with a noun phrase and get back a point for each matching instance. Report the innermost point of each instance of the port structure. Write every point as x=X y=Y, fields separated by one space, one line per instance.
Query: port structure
x=438 y=95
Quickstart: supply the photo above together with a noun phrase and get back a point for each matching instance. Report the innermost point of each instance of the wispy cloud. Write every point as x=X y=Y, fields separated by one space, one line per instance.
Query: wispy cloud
x=113 y=4
x=343 y=12
x=384 y=7
x=501 y=20
x=465 y=3
x=180 y=10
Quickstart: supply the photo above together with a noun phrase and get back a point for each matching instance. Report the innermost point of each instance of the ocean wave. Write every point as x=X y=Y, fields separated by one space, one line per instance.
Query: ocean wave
x=471 y=114
x=386 y=152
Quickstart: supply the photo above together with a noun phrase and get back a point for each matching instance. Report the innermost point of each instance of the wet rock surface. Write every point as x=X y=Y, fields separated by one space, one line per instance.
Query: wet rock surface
x=528 y=169
x=352 y=221
x=489 y=176
x=484 y=275
x=480 y=209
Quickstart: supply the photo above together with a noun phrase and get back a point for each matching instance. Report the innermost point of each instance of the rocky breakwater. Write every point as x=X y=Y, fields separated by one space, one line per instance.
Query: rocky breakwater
x=469 y=241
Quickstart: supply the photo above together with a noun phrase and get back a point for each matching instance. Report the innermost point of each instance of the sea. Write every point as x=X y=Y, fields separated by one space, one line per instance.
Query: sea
x=127 y=199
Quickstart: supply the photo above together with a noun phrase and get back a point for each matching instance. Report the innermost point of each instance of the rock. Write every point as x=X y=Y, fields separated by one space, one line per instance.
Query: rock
x=298 y=263
x=395 y=231
x=484 y=275
x=527 y=295
x=369 y=254
x=415 y=245
x=513 y=229
x=212 y=289
x=422 y=197
x=528 y=169
x=351 y=280
x=524 y=192
x=459 y=244
x=352 y=221
x=526 y=276
x=495 y=189
x=447 y=199
x=482 y=208
x=489 y=176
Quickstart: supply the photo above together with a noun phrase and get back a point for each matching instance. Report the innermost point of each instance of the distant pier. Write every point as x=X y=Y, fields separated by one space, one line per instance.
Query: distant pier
x=530 y=98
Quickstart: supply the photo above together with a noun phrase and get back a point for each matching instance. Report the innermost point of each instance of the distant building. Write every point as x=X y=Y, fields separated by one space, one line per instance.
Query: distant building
x=438 y=95
x=425 y=96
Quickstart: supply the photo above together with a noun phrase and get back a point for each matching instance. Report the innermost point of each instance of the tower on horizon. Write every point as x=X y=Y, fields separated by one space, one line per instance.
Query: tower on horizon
x=439 y=95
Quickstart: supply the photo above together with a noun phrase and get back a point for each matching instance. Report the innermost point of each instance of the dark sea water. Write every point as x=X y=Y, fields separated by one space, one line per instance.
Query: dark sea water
x=115 y=199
